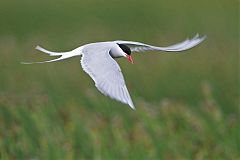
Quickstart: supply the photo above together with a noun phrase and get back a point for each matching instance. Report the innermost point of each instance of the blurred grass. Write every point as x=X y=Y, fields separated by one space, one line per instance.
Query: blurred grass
x=187 y=104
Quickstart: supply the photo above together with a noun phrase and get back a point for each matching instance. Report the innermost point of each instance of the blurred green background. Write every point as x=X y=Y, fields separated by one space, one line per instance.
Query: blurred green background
x=187 y=104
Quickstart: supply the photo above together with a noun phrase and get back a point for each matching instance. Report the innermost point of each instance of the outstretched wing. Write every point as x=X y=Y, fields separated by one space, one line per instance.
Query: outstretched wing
x=107 y=75
x=140 y=47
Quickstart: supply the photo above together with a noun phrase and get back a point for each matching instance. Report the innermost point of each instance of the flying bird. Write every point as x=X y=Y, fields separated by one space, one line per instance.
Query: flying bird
x=98 y=62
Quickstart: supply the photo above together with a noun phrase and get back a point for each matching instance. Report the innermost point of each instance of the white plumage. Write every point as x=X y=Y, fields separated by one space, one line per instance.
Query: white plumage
x=98 y=61
x=106 y=74
x=182 y=46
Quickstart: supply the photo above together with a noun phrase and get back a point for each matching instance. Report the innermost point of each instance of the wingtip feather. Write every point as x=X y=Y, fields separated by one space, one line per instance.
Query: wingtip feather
x=130 y=103
x=132 y=106
x=38 y=48
x=25 y=62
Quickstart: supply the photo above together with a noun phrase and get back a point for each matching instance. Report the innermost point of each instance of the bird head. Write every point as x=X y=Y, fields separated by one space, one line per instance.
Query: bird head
x=127 y=52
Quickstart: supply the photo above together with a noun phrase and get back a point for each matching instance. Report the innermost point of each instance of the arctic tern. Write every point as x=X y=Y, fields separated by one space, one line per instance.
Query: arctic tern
x=98 y=61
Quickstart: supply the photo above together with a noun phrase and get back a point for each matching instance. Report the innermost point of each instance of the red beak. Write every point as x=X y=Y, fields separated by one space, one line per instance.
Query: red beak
x=130 y=59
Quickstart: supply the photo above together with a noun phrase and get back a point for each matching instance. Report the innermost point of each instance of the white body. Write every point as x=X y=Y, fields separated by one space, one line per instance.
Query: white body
x=98 y=61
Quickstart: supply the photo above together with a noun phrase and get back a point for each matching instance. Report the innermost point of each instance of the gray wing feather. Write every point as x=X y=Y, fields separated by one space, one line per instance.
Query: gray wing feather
x=107 y=75
x=140 y=47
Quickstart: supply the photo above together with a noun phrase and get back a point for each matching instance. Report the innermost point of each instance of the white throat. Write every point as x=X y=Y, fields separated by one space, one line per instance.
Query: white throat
x=117 y=52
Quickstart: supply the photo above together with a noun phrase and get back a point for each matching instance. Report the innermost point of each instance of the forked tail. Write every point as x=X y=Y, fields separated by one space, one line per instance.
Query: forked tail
x=64 y=55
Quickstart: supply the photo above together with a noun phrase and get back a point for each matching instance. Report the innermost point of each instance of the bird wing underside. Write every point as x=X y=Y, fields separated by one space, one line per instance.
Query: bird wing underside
x=107 y=75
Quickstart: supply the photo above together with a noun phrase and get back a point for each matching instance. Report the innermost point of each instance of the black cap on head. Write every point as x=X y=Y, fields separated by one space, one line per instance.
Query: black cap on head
x=125 y=49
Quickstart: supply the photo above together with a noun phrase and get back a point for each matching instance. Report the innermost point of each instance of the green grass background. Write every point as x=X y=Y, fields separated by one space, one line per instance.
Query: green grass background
x=187 y=104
